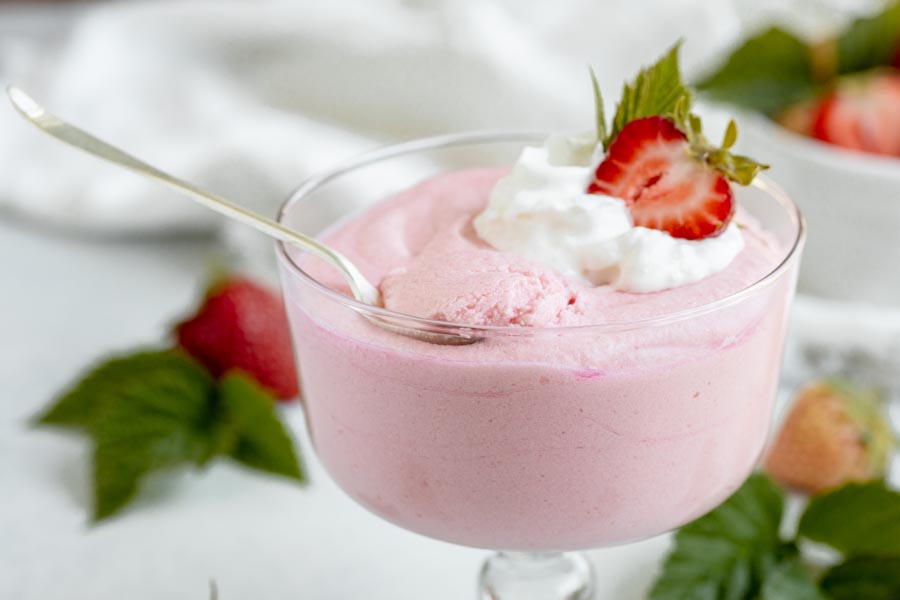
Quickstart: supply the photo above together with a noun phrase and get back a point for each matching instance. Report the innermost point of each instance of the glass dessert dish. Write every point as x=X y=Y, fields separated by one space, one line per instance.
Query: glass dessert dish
x=534 y=441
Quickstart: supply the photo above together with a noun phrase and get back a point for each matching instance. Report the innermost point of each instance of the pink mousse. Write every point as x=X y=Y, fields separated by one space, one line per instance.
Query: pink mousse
x=448 y=281
x=544 y=438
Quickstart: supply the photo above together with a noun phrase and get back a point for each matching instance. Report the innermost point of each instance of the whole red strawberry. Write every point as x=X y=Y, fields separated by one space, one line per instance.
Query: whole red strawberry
x=834 y=433
x=242 y=325
x=862 y=113
x=650 y=166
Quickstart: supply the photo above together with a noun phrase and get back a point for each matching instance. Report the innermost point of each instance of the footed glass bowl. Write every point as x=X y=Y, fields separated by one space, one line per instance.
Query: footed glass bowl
x=514 y=443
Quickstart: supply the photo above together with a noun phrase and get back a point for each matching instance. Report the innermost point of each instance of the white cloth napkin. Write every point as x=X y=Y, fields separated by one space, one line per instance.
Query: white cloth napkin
x=249 y=98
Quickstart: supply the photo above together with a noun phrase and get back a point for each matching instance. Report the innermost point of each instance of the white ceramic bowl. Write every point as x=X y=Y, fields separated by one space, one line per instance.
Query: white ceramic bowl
x=852 y=205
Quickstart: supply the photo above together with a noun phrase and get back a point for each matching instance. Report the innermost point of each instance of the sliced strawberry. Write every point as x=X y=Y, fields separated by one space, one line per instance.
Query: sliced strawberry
x=862 y=113
x=650 y=167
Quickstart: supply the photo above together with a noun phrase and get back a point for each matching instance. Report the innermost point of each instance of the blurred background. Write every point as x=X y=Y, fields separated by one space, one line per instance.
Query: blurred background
x=248 y=98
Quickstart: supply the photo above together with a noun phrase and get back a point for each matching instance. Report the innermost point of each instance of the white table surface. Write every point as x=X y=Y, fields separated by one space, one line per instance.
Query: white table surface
x=67 y=300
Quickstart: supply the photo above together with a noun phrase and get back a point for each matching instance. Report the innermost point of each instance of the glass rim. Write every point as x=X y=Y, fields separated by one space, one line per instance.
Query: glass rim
x=316 y=181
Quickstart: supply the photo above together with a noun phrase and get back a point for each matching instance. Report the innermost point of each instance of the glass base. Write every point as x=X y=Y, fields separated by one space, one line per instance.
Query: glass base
x=536 y=576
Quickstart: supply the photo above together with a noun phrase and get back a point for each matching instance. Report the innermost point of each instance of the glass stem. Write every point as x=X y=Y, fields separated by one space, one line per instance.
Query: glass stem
x=537 y=576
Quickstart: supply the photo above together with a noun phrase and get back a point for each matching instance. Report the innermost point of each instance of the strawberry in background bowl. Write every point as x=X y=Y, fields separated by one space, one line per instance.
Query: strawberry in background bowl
x=826 y=113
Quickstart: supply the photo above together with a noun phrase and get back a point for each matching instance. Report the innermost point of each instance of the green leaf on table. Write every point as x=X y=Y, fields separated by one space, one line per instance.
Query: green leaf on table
x=129 y=378
x=855 y=519
x=153 y=411
x=767 y=73
x=655 y=91
x=726 y=553
x=864 y=578
x=789 y=581
x=260 y=439
x=870 y=42
x=154 y=414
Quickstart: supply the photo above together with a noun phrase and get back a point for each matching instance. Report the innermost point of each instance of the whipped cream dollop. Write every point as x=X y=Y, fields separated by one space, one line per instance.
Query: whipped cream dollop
x=541 y=211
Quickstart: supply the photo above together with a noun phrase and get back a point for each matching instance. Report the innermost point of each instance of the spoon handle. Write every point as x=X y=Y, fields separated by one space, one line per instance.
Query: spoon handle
x=56 y=127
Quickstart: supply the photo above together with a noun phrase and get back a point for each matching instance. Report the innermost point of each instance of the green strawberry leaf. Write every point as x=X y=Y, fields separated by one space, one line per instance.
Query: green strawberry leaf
x=598 y=107
x=870 y=42
x=155 y=414
x=737 y=168
x=789 y=581
x=730 y=137
x=655 y=91
x=767 y=73
x=855 y=519
x=864 y=578
x=122 y=377
x=261 y=440
x=727 y=553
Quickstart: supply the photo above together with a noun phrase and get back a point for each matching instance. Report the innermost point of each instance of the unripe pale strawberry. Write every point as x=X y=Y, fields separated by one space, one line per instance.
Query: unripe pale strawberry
x=834 y=433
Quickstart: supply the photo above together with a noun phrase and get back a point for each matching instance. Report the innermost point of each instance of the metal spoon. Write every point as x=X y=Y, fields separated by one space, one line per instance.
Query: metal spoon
x=362 y=289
